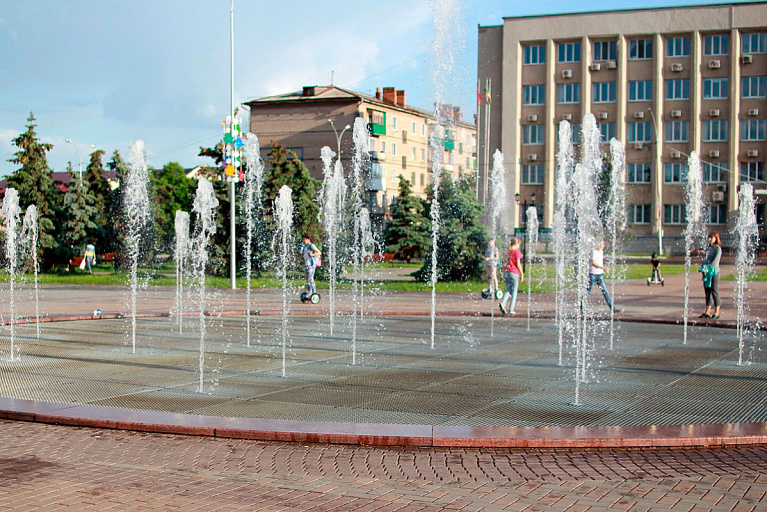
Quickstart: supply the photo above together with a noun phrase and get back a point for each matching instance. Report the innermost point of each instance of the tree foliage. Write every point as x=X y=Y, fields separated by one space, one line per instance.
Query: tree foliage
x=172 y=191
x=407 y=233
x=462 y=236
x=79 y=213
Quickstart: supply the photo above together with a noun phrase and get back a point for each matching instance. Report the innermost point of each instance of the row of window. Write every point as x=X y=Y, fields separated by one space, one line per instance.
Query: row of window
x=714 y=130
x=672 y=173
x=642 y=49
x=752 y=87
x=676 y=214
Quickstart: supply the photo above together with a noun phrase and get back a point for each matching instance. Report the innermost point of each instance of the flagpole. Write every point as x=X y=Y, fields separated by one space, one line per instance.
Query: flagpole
x=488 y=103
x=476 y=122
x=232 y=209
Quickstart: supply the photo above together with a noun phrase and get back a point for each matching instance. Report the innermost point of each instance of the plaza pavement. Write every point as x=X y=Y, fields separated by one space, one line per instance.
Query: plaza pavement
x=52 y=467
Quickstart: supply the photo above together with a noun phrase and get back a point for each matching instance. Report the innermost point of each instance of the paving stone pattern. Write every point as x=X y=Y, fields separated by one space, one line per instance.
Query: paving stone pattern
x=52 y=468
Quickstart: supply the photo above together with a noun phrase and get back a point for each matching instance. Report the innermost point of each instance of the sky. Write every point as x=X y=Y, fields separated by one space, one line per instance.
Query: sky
x=106 y=73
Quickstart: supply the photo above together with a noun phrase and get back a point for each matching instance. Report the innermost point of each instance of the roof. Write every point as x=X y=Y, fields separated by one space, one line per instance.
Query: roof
x=335 y=93
x=61 y=179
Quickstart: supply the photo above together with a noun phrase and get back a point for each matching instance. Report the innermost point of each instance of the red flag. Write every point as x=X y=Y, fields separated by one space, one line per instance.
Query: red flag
x=479 y=95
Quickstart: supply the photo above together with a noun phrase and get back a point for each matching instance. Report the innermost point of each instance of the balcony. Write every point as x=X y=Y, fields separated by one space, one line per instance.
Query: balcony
x=376 y=129
x=375 y=184
x=449 y=144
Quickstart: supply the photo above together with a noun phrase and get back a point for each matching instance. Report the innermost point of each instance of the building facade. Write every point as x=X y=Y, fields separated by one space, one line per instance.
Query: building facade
x=665 y=82
x=399 y=136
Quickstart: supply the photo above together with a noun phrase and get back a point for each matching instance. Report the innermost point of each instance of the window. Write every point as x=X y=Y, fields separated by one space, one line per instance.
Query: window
x=393 y=175
x=715 y=131
x=533 y=94
x=674 y=173
x=752 y=171
x=413 y=154
x=717 y=214
x=640 y=90
x=404 y=164
x=716 y=45
x=752 y=129
x=714 y=173
x=640 y=49
x=393 y=149
x=404 y=136
x=754 y=43
x=640 y=132
x=422 y=179
x=604 y=92
x=674 y=214
x=715 y=88
x=639 y=213
x=534 y=54
x=413 y=129
x=375 y=169
x=678 y=89
x=570 y=52
x=568 y=93
x=605 y=50
x=383 y=146
x=677 y=131
x=533 y=134
x=423 y=154
x=760 y=214
x=754 y=86
x=412 y=177
x=678 y=46
x=607 y=130
x=423 y=130
x=576 y=133
x=393 y=122
x=460 y=148
x=532 y=174
x=638 y=173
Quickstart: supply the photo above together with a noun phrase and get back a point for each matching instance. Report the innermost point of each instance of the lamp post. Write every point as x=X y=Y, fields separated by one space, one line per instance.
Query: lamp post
x=79 y=157
x=338 y=137
x=524 y=205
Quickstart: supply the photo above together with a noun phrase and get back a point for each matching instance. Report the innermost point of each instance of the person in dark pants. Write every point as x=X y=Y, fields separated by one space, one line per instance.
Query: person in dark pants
x=596 y=275
x=710 y=270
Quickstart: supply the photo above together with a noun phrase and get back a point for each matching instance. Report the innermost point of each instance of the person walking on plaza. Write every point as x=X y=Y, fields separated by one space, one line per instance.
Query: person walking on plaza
x=90 y=256
x=311 y=258
x=710 y=270
x=513 y=276
x=596 y=275
x=491 y=264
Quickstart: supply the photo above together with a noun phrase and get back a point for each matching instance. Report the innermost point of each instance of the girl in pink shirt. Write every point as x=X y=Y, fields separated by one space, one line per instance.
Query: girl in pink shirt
x=513 y=276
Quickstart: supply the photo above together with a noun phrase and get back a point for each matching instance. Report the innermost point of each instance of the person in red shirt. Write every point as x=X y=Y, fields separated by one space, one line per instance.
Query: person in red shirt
x=513 y=276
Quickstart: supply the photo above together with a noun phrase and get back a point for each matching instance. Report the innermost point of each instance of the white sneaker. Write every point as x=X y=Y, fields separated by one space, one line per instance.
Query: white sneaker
x=512 y=312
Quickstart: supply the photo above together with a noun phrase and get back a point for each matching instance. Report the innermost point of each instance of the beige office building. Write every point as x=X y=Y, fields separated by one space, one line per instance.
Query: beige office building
x=665 y=82
x=399 y=136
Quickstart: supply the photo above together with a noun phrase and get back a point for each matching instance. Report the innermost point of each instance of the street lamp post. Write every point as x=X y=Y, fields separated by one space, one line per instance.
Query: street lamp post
x=79 y=157
x=338 y=137
x=524 y=205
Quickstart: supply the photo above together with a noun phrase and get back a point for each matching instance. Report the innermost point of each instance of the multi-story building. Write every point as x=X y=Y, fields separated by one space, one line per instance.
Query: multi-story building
x=665 y=82
x=399 y=142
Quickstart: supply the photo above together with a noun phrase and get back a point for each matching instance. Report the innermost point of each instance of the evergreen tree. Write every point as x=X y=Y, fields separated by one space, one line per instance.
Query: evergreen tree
x=115 y=222
x=79 y=214
x=462 y=237
x=287 y=169
x=407 y=233
x=172 y=191
x=34 y=183
x=98 y=183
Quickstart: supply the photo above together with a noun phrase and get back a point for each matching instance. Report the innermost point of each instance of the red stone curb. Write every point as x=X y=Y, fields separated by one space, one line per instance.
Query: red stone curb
x=653 y=436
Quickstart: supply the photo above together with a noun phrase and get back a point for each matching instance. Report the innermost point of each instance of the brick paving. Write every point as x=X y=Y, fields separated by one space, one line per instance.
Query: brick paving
x=46 y=467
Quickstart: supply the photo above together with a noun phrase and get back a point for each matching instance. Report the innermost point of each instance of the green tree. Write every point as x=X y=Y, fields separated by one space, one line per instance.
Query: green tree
x=173 y=190
x=79 y=215
x=462 y=237
x=114 y=217
x=407 y=233
x=34 y=182
x=98 y=183
x=286 y=169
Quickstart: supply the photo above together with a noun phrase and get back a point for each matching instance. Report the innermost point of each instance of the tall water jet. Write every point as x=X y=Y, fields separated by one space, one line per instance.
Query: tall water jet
x=136 y=206
x=616 y=219
x=11 y=213
x=695 y=230
x=360 y=163
x=746 y=233
x=499 y=206
x=368 y=245
x=282 y=248
x=205 y=203
x=589 y=234
x=180 y=256
x=531 y=240
x=332 y=200
x=252 y=187
x=30 y=234
x=564 y=249
x=448 y=38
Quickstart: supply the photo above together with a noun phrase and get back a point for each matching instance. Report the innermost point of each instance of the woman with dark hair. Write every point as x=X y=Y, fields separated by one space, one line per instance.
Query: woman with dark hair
x=710 y=270
x=311 y=255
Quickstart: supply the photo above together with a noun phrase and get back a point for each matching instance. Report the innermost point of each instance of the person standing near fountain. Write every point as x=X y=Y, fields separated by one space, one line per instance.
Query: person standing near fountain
x=311 y=259
x=710 y=270
x=513 y=276
x=491 y=264
x=90 y=256
x=596 y=275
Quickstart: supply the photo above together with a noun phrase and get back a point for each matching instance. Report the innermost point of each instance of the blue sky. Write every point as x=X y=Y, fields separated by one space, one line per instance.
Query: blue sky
x=108 y=73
